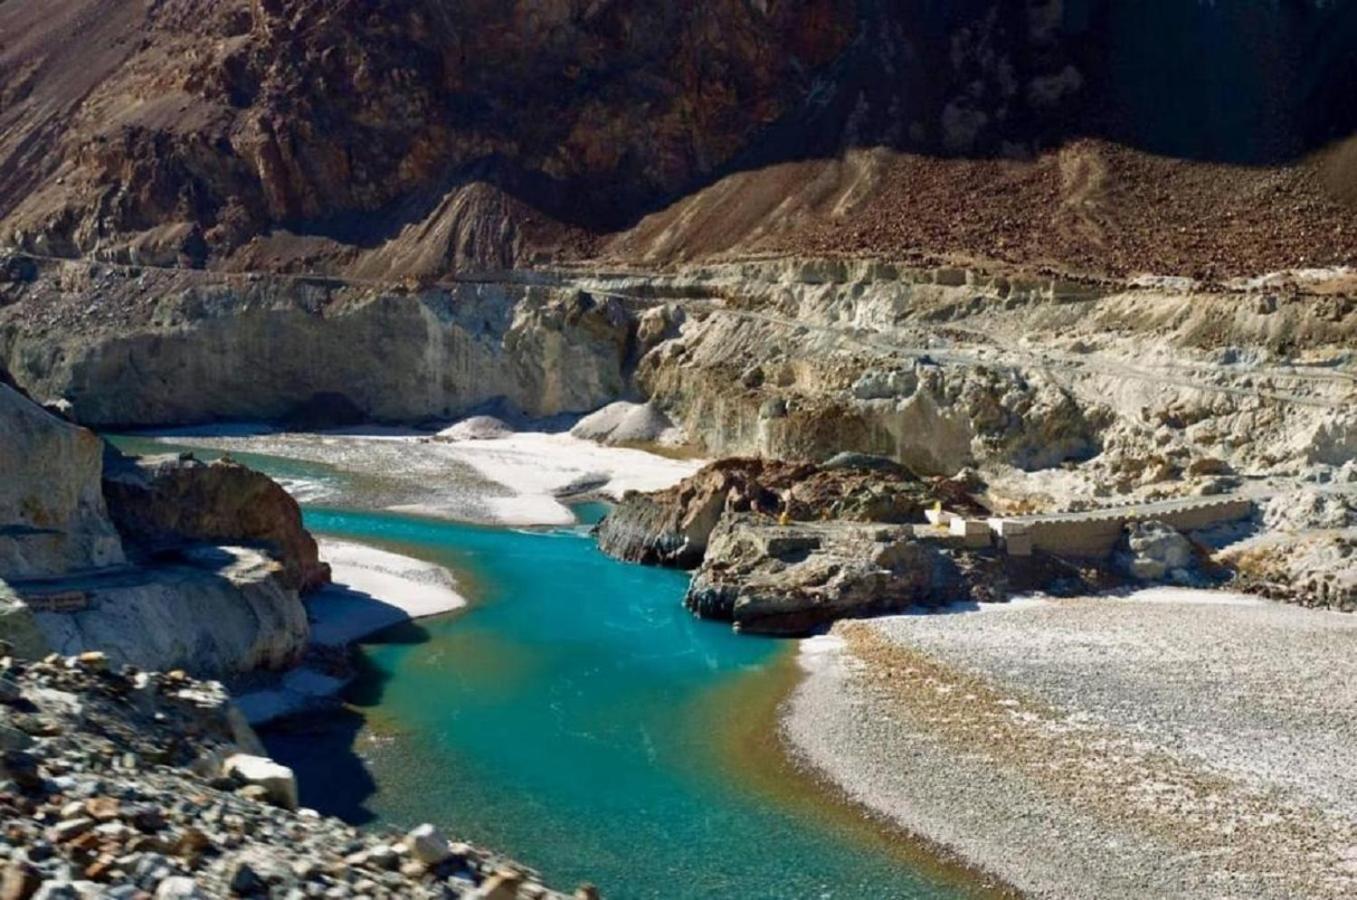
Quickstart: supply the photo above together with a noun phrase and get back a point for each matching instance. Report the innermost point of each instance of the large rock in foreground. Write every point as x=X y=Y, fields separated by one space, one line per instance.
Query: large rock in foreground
x=194 y=599
x=52 y=516
x=214 y=611
x=164 y=502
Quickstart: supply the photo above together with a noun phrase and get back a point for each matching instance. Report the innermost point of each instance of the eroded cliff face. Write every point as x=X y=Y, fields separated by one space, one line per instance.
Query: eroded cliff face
x=173 y=348
x=53 y=521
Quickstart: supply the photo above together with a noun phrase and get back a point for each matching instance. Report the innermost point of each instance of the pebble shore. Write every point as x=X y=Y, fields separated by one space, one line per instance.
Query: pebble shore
x=146 y=786
x=1174 y=743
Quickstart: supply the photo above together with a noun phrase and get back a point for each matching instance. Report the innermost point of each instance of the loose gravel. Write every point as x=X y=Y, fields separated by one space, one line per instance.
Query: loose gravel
x=1167 y=743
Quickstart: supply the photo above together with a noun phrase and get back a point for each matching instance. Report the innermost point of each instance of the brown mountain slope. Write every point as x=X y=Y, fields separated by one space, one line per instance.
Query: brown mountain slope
x=1088 y=207
x=396 y=138
x=195 y=126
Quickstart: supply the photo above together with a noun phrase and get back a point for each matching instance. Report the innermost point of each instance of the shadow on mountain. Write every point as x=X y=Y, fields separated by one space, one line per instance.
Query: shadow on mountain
x=1240 y=83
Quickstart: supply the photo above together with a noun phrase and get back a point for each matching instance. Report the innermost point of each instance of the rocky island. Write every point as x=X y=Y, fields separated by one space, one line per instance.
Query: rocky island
x=364 y=364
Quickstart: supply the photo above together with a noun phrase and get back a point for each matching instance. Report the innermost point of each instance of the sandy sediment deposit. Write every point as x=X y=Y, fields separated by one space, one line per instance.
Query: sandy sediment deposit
x=1167 y=743
x=487 y=474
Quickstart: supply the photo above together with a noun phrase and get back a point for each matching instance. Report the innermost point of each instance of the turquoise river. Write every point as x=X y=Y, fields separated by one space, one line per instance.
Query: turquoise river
x=578 y=719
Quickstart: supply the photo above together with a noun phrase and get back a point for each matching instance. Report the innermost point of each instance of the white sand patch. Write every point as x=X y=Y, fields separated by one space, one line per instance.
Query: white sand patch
x=536 y=466
x=1189 y=596
x=374 y=589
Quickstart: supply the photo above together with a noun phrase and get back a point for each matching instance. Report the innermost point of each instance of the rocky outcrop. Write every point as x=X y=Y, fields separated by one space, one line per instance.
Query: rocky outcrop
x=1317 y=569
x=212 y=610
x=767 y=578
x=794 y=378
x=140 y=784
x=187 y=598
x=672 y=527
x=52 y=516
x=165 y=503
x=786 y=580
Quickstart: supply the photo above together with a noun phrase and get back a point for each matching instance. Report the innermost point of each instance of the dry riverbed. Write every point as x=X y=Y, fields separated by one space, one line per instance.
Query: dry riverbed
x=1168 y=743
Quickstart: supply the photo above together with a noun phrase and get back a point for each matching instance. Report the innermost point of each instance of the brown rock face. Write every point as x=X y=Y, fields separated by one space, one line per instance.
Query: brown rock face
x=419 y=137
x=164 y=502
x=672 y=527
x=223 y=120
x=788 y=580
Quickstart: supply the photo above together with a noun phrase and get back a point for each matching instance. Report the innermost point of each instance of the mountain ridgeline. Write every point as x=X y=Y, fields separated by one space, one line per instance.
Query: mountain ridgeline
x=380 y=137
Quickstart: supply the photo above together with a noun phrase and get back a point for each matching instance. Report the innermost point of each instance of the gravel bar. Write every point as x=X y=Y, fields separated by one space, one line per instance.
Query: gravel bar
x=1165 y=743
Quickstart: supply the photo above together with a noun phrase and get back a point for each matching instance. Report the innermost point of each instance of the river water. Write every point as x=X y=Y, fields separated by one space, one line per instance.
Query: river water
x=578 y=719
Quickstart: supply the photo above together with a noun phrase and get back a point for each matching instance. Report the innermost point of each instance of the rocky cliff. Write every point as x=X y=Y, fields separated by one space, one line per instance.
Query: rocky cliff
x=53 y=521
x=180 y=347
x=146 y=564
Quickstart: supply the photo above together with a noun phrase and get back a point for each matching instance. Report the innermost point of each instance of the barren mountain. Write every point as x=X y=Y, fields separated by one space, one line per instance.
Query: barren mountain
x=420 y=137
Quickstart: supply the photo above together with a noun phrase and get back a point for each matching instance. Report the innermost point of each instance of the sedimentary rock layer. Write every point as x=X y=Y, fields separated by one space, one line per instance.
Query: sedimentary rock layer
x=52 y=516
x=174 y=348
x=673 y=527
x=186 y=598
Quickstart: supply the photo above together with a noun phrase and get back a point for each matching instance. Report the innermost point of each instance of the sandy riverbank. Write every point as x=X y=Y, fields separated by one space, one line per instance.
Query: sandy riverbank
x=1170 y=743
x=521 y=478
x=372 y=590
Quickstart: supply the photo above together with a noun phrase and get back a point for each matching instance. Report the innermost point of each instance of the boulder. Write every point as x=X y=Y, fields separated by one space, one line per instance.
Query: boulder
x=1156 y=551
x=21 y=880
x=627 y=423
x=428 y=845
x=475 y=428
x=768 y=578
x=275 y=778
x=179 y=887
x=500 y=886
x=166 y=502
x=53 y=521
